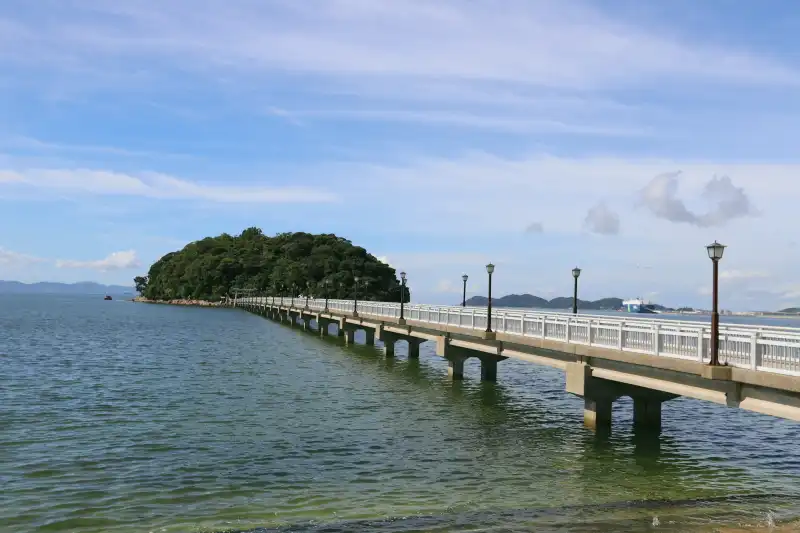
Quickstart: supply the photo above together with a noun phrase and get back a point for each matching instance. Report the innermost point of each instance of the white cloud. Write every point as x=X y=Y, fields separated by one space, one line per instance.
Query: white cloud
x=12 y=259
x=534 y=66
x=115 y=261
x=601 y=220
x=448 y=287
x=742 y=275
x=153 y=185
x=729 y=202
x=544 y=43
x=535 y=227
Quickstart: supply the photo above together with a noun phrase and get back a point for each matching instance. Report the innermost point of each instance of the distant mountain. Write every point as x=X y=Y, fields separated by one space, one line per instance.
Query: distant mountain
x=531 y=301
x=49 y=287
x=794 y=310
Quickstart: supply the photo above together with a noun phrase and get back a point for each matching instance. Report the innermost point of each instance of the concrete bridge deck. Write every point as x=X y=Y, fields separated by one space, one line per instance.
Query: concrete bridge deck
x=651 y=361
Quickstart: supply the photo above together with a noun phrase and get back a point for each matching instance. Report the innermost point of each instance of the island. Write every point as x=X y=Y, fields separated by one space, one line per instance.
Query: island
x=287 y=264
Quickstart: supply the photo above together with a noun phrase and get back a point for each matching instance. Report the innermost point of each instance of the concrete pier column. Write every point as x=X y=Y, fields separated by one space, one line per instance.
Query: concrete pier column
x=413 y=348
x=349 y=336
x=388 y=346
x=598 y=395
x=647 y=413
x=322 y=325
x=370 y=336
x=597 y=412
x=455 y=368
x=306 y=323
x=488 y=369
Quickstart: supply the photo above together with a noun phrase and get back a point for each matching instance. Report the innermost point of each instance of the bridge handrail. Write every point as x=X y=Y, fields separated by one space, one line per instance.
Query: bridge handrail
x=747 y=346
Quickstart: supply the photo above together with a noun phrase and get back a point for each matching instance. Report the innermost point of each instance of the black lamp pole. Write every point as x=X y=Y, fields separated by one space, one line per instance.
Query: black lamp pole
x=355 y=301
x=464 y=293
x=327 y=292
x=308 y=289
x=576 y=272
x=402 y=296
x=715 y=252
x=490 y=270
x=294 y=290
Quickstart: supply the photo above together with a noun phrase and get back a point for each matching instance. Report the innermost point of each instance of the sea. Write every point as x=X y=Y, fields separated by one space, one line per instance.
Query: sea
x=128 y=417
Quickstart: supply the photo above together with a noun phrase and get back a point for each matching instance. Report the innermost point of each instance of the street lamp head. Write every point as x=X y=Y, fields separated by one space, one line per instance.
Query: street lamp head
x=490 y=268
x=576 y=272
x=403 y=276
x=356 y=279
x=465 y=277
x=715 y=251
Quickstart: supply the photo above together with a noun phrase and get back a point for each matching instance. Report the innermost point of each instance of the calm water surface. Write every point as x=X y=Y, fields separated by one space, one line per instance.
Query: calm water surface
x=123 y=417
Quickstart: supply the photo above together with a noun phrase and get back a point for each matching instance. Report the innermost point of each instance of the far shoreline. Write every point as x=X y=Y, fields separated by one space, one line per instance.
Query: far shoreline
x=187 y=302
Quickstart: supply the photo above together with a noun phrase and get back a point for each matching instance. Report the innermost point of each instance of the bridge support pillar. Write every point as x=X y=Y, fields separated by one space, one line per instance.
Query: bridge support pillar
x=349 y=336
x=647 y=413
x=389 y=338
x=455 y=367
x=306 y=323
x=598 y=395
x=597 y=412
x=370 y=336
x=489 y=368
x=413 y=347
x=322 y=325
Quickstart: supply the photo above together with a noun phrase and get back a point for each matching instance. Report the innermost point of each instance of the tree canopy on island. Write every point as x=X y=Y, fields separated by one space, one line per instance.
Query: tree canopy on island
x=288 y=263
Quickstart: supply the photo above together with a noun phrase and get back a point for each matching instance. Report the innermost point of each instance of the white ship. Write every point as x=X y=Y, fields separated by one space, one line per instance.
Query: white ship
x=638 y=305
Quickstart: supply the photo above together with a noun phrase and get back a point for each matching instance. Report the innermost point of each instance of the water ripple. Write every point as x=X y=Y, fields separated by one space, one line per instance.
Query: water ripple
x=120 y=417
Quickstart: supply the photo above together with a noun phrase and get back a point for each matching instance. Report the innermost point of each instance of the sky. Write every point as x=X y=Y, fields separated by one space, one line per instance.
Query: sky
x=619 y=136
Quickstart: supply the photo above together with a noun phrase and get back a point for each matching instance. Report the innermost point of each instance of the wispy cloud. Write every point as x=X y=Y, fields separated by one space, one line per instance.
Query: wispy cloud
x=152 y=185
x=12 y=259
x=115 y=261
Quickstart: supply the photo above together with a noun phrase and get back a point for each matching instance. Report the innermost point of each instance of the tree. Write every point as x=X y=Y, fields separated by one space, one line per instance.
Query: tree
x=209 y=268
x=141 y=283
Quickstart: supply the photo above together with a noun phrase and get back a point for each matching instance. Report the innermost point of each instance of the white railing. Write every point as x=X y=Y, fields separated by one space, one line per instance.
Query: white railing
x=747 y=346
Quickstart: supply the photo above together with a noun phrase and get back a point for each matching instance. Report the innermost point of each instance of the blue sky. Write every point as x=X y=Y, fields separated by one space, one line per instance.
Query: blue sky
x=618 y=135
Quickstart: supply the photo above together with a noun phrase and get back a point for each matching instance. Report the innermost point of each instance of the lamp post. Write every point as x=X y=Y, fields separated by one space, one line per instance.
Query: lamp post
x=355 y=301
x=490 y=270
x=294 y=290
x=464 y=278
x=308 y=290
x=576 y=272
x=402 y=297
x=327 y=284
x=715 y=251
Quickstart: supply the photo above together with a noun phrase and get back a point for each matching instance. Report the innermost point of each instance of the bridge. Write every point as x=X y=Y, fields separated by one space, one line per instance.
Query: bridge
x=604 y=358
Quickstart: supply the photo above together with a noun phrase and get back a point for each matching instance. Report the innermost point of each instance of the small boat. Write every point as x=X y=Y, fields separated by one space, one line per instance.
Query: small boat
x=107 y=297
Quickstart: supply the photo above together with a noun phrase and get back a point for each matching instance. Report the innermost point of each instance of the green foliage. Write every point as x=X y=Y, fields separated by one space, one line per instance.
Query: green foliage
x=141 y=283
x=284 y=264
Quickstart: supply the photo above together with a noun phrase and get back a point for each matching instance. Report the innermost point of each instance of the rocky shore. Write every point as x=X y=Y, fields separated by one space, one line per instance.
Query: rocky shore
x=179 y=301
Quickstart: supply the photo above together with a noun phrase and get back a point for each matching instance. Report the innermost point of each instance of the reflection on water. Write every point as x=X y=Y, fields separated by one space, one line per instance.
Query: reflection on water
x=124 y=417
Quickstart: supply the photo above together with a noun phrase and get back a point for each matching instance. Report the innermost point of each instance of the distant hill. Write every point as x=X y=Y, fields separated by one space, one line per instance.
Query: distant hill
x=49 y=287
x=795 y=310
x=531 y=301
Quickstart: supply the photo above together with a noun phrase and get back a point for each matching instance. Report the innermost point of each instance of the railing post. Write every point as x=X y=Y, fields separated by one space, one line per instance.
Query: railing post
x=504 y=322
x=473 y=318
x=544 y=326
x=657 y=339
x=591 y=332
x=621 y=334
x=754 y=359
x=567 y=334
x=700 y=338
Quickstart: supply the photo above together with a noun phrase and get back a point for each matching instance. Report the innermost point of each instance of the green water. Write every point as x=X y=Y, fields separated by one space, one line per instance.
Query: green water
x=123 y=417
